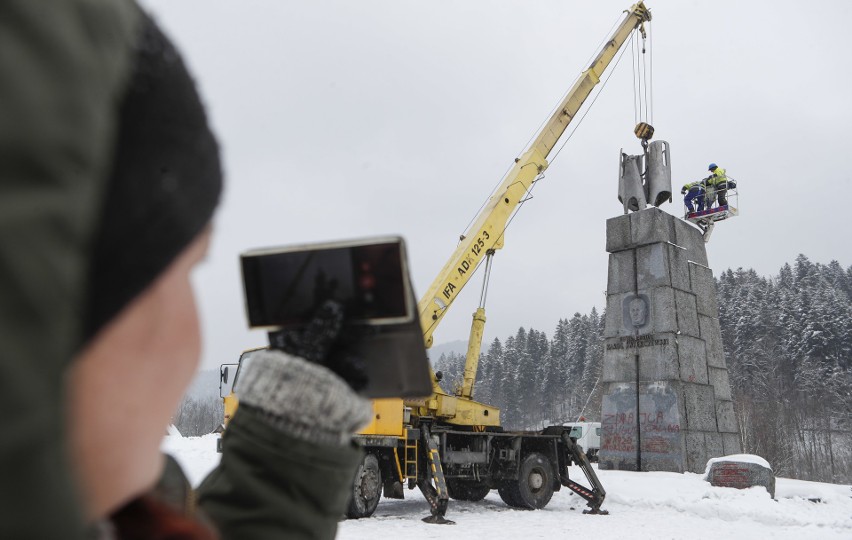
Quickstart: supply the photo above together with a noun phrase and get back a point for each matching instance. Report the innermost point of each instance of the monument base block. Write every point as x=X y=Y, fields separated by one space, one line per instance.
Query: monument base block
x=665 y=432
x=667 y=403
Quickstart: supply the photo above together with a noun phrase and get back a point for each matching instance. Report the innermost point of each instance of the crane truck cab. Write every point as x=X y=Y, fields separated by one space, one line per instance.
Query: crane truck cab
x=228 y=376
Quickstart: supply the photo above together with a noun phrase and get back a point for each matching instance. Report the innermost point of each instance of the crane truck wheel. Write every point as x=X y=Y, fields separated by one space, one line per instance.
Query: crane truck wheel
x=366 y=489
x=507 y=493
x=462 y=490
x=534 y=486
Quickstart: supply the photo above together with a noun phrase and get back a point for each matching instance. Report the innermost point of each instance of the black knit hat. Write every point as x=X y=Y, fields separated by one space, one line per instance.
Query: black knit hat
x=164 y=183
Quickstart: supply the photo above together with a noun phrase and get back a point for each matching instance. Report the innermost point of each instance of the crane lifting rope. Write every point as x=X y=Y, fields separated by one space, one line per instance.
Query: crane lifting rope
x=720 y=200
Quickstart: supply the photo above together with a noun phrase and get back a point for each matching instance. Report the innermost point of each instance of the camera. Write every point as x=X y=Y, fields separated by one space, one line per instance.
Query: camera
x=368 y=279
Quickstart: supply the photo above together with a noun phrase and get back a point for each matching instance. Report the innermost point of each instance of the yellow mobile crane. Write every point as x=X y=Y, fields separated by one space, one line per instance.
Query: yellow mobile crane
x=449 y=445
x=466 y=453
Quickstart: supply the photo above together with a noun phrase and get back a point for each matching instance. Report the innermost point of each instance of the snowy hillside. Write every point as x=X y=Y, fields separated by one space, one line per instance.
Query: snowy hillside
x=641 y=505
x=456 y=347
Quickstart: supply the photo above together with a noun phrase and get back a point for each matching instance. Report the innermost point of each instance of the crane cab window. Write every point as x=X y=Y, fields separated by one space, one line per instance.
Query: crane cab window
x=245 y=360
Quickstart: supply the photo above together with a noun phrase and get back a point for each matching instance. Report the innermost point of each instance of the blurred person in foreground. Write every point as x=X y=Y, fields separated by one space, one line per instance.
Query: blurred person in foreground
x=108 y=186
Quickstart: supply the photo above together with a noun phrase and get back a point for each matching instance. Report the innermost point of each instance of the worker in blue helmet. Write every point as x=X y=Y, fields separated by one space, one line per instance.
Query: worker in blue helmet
x=716 y=185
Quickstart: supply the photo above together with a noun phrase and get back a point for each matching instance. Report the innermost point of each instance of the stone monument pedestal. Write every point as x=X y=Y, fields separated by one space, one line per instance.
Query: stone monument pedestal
x=666 y=397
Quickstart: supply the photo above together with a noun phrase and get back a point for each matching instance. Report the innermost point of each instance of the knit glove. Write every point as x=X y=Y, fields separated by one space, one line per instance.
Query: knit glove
x=325 y=341
x=301 y=398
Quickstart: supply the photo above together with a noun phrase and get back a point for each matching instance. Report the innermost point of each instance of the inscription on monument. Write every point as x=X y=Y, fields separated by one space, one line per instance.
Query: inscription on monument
x=637 y=342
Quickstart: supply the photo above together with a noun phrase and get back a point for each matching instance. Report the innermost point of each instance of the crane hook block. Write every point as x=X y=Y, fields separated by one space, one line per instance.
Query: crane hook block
x=644 y=131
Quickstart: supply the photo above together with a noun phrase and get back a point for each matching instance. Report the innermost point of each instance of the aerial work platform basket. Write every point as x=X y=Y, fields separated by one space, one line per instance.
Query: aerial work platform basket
x=714 y=212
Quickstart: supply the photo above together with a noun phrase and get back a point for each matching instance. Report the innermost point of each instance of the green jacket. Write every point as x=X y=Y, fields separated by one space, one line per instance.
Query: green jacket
x=268 y=486
x=271 y=485
x=718 y=178
x=63 y=66
x=688 y=186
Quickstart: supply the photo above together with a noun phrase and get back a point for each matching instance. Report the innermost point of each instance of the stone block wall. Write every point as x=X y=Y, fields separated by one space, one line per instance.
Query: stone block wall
x=667 y=400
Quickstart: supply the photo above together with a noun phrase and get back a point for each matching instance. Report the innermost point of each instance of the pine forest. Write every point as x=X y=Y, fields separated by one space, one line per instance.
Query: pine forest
x=788 y=347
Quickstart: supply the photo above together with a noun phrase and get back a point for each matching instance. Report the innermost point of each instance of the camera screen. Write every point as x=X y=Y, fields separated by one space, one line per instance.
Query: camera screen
x=285 y=288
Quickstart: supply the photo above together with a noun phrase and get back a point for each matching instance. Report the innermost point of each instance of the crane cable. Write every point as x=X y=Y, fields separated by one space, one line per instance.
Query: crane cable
x=588 y=62
x=552 y=160
x=637 y=103
x=643 y=87
x=595 y=51
x=589 y=107
x=651 y=46
x=633 y=65
x=648 y=112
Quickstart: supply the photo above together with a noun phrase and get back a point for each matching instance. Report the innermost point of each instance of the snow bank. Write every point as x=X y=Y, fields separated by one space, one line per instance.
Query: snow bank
x=743 y=458
x=196 y=455
x=649 y=505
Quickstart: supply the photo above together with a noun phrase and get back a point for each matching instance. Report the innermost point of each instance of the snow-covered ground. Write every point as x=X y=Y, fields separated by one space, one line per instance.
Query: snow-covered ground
x=641 y=505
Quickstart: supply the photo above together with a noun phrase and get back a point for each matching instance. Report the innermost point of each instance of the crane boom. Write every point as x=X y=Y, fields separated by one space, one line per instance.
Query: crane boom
x=412 y=441
x=486 y=233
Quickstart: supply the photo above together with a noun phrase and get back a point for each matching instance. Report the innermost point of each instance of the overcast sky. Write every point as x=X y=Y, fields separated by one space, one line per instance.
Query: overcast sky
x=355 y=118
